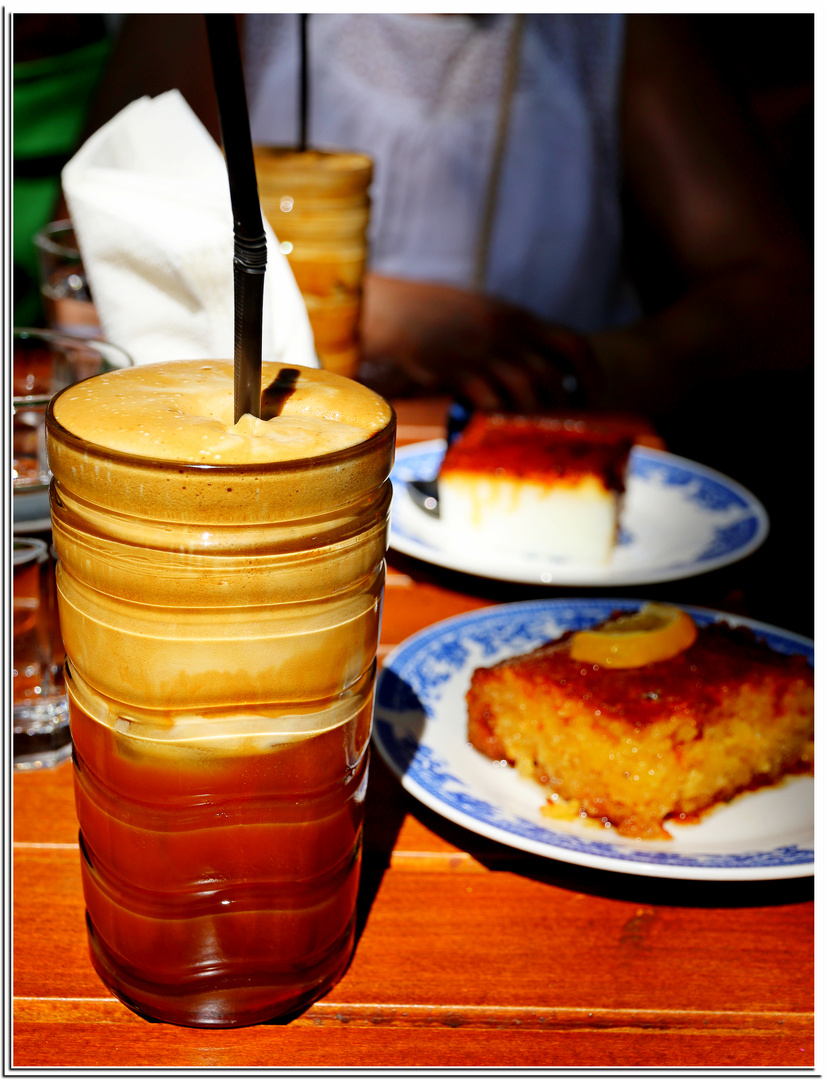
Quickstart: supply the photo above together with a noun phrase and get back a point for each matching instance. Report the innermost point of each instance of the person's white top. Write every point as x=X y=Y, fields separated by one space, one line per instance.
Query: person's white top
x=424 y=96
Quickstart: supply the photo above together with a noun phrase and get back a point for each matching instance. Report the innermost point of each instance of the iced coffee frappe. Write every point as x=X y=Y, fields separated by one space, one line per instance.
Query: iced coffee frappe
x=219 y=588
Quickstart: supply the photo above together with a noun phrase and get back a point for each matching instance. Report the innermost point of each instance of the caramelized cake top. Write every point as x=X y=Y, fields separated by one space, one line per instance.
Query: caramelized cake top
x=722 y=659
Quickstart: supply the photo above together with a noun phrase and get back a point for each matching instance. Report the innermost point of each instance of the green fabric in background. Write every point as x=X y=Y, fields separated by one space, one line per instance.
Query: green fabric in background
x=51 y=98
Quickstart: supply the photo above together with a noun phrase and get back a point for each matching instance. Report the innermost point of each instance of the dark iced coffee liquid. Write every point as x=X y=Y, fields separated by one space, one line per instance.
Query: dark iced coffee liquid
x=220 y=888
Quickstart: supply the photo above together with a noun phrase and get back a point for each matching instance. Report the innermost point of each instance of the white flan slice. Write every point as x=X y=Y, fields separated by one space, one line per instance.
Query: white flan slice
x=537 y=486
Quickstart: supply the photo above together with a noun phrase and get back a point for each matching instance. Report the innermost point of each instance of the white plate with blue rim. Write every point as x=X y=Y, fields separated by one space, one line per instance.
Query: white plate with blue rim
x=420 y=731
x=678 y=519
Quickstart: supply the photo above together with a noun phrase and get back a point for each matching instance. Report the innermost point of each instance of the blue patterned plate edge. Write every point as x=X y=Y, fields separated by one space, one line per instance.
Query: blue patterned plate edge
x=410 y=687
x=730 y=543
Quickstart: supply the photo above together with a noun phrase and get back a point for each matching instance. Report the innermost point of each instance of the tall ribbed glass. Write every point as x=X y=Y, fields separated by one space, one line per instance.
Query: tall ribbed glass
x=220 y=619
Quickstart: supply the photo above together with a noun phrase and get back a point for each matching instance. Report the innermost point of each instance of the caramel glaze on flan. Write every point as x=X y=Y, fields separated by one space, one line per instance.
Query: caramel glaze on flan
x=632 y=748
x=542 y=448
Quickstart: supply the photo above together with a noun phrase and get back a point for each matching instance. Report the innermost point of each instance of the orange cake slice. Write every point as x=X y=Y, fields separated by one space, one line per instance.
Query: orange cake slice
x=633 y=746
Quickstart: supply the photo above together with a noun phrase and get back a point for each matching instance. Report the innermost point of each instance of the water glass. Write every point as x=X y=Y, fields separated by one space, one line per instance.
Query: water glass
x=40 y=714
x=66 y=297
x=45 y=362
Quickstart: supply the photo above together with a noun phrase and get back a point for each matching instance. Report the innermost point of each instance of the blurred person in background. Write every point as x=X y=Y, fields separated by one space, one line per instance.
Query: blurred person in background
x=559 y=201
x=535 y=177
x=504 y=149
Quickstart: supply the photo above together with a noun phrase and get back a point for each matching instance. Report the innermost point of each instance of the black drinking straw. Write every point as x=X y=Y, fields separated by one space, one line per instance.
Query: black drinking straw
x=303 y=82
x=249 y=243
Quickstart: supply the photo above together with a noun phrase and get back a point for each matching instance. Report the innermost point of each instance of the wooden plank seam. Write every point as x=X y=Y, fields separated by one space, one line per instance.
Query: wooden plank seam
x=688 y=1021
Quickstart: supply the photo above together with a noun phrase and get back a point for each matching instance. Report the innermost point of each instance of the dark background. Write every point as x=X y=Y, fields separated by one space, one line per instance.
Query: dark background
x=767 y=444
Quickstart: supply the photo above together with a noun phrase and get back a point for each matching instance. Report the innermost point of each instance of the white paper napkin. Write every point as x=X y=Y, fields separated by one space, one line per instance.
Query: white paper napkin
x=149 y=197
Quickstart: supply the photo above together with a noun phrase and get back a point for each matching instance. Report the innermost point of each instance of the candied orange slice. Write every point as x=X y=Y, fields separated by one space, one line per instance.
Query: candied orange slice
x=656 y=632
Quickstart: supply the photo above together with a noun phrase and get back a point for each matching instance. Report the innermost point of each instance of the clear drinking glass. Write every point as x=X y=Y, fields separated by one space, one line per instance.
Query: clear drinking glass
x=66 y=297
x=44 y=363
x=220 y=625
x=39 y=713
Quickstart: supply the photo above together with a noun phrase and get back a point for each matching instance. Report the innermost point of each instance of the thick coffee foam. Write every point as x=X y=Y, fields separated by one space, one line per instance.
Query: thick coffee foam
x=183 y=411
x=213 y=595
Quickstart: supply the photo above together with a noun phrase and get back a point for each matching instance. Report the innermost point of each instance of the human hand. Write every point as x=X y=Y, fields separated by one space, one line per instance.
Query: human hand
x=427 y=338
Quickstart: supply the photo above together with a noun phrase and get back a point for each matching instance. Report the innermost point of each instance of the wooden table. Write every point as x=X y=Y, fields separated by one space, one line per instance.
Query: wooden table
x=468 y=953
